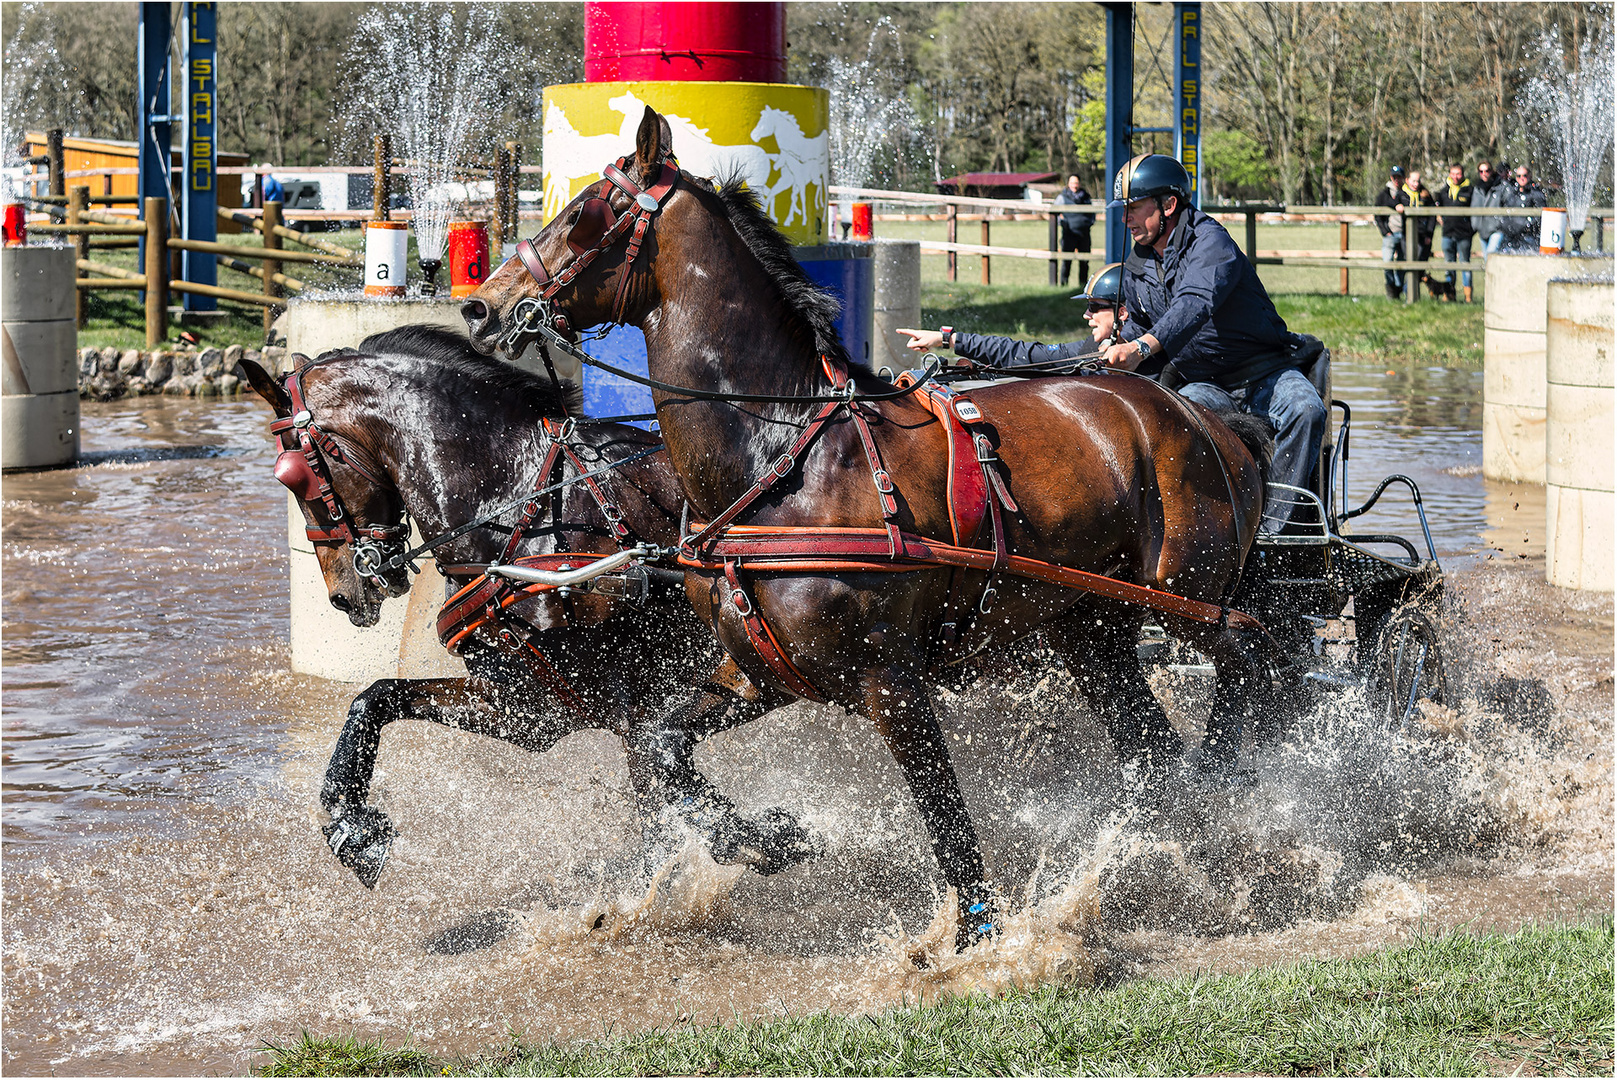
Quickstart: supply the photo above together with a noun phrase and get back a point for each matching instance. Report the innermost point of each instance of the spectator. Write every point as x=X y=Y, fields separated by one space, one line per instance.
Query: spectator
x=1521 y=233
x=1075 y=228
x=1418 y=231
x=1487 y=191
x=1457 y=228
x=273 y=191
x=1392 y=229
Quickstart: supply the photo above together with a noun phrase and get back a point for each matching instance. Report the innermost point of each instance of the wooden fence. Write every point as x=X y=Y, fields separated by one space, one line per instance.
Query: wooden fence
x=987 y=211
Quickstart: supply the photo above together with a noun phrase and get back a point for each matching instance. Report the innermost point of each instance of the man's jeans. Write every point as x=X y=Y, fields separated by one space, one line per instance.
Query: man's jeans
x=1293 y=407
x=1496 y=241
x=1461 y=247
x=1392 y=250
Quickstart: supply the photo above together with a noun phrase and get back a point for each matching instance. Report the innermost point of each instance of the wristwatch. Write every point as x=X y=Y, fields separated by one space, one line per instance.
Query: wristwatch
x=948 y=336
x=1145 y=348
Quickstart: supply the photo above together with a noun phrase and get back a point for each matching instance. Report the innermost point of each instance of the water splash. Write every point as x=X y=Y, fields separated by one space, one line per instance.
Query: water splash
x=1573 y=104
x=871 y=118
x=421 y=74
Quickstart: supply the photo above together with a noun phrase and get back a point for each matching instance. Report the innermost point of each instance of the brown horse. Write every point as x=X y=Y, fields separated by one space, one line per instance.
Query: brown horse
x=415 y=421
x=1112 y=475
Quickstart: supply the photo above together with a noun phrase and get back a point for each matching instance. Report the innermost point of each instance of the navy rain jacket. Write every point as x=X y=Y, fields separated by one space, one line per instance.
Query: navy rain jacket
x=1203 y=301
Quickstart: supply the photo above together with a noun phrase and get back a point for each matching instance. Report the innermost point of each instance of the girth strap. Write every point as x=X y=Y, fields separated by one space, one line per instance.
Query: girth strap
x=763 y=640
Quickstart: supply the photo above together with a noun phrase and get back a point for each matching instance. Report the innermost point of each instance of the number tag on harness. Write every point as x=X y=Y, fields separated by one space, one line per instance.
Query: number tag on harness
x=968 y=412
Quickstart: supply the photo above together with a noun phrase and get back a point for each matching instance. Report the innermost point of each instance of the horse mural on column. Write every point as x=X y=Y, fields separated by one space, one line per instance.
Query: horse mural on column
x=827 y=552
x=800 y=162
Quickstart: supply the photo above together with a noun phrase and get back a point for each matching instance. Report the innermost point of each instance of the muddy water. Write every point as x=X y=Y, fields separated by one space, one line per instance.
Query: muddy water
x=169 y=904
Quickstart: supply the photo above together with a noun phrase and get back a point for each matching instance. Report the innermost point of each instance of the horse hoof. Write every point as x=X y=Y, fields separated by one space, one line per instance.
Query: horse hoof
x=769 y=844
x=361 y=838
x=976 y=924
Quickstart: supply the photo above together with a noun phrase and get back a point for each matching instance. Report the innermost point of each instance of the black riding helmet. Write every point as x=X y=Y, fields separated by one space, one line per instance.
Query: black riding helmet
x=1148 y=175
x=1106 y=287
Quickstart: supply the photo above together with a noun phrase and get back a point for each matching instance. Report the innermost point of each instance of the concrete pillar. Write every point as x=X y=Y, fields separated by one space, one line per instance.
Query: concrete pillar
x=39 y=376
x=1578 y=450
x=404 y=644
x=897 y=302
x=1513 y=385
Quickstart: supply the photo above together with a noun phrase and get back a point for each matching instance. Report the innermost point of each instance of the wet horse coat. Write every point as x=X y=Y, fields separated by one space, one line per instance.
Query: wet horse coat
x=1116 y=476
x=425 y=425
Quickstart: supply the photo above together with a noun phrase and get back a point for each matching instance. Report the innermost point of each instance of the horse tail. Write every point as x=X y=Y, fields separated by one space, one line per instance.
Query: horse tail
x=1257 y=436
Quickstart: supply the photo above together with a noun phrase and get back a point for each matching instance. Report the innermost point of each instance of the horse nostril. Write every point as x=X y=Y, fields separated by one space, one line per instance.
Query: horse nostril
x=341 y=603
x=475 y=312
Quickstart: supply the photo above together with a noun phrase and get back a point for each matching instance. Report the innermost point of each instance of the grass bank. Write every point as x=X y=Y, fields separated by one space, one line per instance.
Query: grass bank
x=1353 y=327
x=1538 y=1001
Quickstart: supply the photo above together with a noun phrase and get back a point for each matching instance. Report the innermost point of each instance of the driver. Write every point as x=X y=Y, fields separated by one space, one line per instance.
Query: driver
x=1203 y=324
x=1105 y=316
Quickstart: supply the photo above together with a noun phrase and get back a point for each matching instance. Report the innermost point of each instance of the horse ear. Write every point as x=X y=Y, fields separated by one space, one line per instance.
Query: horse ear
x=652 y=142
x=267 y=387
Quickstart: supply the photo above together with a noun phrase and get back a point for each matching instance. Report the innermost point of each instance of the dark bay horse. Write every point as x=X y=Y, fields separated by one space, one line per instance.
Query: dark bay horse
x=1113 y=475
x=427 y=426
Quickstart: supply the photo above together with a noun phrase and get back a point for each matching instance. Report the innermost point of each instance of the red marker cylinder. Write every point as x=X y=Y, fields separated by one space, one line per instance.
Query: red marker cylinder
x=16 y=225
x=863 y=228
x=468 y=256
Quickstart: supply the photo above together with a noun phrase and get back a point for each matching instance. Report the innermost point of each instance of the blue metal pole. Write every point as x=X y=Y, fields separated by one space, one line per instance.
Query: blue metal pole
x=199 y=193
x=1119 y=115
x=152 y=106
x=1187 y=83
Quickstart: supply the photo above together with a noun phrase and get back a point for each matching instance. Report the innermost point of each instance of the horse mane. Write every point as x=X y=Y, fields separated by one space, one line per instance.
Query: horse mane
x=813 y=308
x=452 y=355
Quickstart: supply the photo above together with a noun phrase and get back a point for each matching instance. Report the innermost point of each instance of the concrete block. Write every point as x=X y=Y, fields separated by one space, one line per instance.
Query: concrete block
x=1513 y=368
x=1512 y=443
x=39 y=357
x=1579 y=524
x=38 y=431
x=1579 y=334
x=1578 y=437
x=36 y=283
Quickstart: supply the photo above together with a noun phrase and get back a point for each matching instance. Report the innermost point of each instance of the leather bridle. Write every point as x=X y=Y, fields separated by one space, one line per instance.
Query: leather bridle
x=595 y=230
x=303 y=468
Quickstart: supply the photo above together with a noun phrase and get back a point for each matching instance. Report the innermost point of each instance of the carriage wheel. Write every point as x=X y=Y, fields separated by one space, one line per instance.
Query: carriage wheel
x=1409 y=666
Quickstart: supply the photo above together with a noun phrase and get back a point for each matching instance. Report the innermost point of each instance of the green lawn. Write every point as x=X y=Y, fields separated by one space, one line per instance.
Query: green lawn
x=1538 y=1001
x=1289 y=236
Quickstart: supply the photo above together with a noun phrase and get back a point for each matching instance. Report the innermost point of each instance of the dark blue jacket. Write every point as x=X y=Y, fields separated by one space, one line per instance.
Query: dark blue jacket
x=1203 y=302
x=1010 y=352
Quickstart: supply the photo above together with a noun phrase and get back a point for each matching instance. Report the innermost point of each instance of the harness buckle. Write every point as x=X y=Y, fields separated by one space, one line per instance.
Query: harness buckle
x=988 y=600
x=782 y=467
x=743 y=603
x=884 y=482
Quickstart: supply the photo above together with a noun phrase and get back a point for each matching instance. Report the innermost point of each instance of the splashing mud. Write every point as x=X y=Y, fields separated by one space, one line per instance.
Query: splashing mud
x=169 y=902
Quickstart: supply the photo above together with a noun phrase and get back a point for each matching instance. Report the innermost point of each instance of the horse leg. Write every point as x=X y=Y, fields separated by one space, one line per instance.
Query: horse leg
x=897 y=703
x=360 y=835
x=668 y=785
x=1240 y=695
x=1098 y=645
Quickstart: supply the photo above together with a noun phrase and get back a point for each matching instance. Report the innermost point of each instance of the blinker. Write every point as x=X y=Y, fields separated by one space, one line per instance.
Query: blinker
x=595 y=217
x=292 y=470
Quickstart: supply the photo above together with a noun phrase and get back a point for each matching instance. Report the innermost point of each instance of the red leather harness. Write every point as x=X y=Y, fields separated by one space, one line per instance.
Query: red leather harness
x=482 y=602
x=731 y=548
x=302 y=468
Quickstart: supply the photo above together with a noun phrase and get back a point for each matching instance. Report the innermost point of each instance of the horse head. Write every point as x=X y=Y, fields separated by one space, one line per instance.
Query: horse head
x=352 y=513
x=577 y=269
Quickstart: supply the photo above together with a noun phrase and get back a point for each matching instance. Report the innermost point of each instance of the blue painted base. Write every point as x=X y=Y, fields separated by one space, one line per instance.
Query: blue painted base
x=846 y=269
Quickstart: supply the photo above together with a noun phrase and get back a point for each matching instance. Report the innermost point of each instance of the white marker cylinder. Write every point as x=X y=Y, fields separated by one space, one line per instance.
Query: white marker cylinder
x=386 y=243
x=1552 y=233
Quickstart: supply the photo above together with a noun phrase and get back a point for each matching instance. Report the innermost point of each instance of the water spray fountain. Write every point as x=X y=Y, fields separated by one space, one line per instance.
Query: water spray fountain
x=1575 y=107
x=425 y=83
